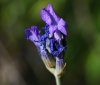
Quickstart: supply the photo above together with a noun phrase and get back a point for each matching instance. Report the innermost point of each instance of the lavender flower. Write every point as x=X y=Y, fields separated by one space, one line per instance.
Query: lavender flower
x=51 y=45
x=33 y=34
x=56 y=23
x=40 y=41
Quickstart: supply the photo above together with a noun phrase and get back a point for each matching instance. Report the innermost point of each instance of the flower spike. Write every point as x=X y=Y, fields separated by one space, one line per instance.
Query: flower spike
x=52 y=44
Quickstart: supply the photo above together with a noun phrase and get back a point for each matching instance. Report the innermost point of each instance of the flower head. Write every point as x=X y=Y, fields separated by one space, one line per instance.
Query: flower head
x=56 y=23
x=51 y=45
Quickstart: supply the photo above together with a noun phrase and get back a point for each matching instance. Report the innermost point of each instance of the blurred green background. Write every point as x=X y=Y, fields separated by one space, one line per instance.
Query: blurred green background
x=20 y=63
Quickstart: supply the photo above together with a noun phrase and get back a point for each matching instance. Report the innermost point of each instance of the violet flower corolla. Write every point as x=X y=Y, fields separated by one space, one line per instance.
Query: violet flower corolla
x=56 y=23
x=51 y=45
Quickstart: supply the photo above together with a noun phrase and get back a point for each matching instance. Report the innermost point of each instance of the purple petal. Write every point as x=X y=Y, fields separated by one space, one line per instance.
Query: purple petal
x=35 y=30
x=33 y=33
x=62 y=23
x=52 y=12
x=46 y=17
x=62 y=29
x=52 y=29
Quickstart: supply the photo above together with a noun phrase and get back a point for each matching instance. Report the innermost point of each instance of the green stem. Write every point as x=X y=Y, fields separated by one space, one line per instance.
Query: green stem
x=57 y=80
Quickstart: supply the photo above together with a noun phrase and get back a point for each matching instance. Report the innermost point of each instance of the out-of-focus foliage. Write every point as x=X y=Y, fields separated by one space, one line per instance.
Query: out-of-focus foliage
x=20 y=63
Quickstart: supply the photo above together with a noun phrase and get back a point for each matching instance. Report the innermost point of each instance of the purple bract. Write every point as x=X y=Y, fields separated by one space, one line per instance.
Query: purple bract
x=56 y=24
x=33 y=34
